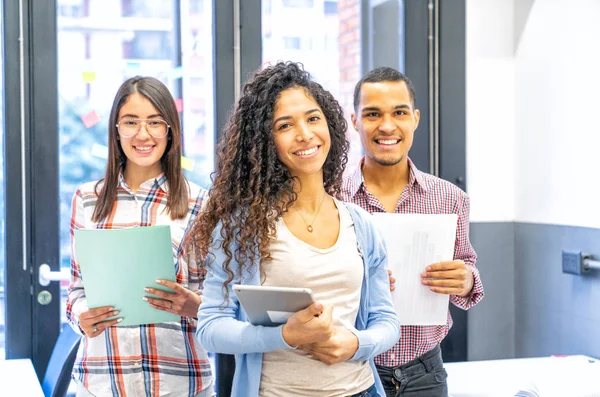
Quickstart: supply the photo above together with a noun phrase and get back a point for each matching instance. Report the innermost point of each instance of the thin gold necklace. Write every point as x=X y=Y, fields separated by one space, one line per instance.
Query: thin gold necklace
x=309 y=225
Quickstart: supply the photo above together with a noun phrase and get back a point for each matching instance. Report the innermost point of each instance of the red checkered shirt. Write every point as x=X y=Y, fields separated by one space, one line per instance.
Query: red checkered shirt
x=424 y=194
x=145 y=360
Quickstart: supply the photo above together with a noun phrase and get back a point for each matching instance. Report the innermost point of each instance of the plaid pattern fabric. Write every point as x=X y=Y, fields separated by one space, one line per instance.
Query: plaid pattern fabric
x=424 y=194
x=147 y=360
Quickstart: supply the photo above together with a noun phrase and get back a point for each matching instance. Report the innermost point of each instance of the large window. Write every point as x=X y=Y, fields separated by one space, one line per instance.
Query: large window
x=103 y=42
x=329 y=49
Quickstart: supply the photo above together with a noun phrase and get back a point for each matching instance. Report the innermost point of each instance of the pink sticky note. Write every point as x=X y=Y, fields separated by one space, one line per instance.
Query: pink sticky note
x=179 y=104
x=90 y=119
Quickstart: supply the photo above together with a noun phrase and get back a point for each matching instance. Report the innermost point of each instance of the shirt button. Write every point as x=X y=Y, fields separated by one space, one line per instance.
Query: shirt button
x=137 y=364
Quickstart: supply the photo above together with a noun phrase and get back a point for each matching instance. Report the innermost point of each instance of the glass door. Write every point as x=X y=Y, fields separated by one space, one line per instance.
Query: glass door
x=30 y=216
x=63 y=61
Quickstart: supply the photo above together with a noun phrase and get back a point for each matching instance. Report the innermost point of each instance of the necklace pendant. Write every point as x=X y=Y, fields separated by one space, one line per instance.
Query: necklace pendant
x=309 y=228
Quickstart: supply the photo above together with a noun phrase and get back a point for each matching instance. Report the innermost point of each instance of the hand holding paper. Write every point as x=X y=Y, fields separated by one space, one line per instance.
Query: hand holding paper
x=181 y=301
x=392 y=281
x=93 y=322
x=452 y=278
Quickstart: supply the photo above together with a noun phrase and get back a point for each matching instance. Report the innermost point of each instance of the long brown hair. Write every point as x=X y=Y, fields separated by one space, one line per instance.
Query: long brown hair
x=252 y=188
x=160 y=97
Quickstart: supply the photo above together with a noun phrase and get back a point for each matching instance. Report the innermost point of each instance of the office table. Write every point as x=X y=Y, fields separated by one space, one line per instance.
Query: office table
x=18 y=378
x=560 y=376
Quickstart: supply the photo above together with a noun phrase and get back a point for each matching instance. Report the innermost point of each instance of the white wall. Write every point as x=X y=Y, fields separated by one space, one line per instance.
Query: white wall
x=557 y=108
x=490 y=110
x=533 y=96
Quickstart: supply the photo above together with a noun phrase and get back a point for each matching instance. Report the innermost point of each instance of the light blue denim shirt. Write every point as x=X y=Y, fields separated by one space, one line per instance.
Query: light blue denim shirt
x=224 y=328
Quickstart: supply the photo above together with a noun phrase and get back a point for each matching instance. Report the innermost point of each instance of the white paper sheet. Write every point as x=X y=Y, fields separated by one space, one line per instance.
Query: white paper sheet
x=415 y=241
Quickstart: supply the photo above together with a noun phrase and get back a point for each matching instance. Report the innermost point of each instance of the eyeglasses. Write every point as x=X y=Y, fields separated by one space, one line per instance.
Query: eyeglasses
x=129 y=127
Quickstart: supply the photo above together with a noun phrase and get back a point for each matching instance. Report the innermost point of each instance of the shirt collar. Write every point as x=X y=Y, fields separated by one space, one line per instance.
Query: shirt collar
x=357 y=180
x=416 y=177
x=159 y=181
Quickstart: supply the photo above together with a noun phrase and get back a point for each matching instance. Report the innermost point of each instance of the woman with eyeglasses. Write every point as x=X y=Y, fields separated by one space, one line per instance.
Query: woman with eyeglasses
x=143 y=185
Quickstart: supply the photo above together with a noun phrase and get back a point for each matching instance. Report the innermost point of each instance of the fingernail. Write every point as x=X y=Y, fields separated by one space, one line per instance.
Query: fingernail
x=115 y=312
x=159 y=281
x=147 y=289
x=119 y=320
x=144 y=298
x=111 y=308
x=318 y=306
x=428 y=268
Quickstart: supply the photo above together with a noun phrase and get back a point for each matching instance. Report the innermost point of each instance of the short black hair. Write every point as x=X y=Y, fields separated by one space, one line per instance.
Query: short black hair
x=380 y=75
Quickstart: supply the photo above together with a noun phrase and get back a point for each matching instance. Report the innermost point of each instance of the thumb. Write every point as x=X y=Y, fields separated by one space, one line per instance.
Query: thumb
x=312 y=311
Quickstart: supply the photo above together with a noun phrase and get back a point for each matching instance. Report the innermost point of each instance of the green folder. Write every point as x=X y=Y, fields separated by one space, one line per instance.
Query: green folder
x=117 y=264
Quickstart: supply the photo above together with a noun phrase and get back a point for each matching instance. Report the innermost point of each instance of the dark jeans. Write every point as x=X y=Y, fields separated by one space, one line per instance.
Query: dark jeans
x=424 y=376
x=370 y=392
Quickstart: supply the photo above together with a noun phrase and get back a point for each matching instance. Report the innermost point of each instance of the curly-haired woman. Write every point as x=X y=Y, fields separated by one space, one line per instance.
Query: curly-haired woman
x=272 y=219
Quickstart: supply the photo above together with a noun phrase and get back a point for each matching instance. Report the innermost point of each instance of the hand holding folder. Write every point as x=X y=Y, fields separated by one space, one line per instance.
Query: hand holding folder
x=117 y=264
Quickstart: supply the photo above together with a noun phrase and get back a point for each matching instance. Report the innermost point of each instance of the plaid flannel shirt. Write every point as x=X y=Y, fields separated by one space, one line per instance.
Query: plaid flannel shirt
x=146 y=360
x=424 y=194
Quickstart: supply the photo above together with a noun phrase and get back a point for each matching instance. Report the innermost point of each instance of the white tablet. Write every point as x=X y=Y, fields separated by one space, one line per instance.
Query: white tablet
x=272 y=306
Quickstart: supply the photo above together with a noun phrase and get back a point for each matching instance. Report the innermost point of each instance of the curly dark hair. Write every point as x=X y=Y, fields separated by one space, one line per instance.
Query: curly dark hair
x=251 y=187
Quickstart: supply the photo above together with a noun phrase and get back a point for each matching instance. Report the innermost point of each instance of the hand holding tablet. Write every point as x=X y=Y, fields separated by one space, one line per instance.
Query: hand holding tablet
x=311 y=325
x=305 y=321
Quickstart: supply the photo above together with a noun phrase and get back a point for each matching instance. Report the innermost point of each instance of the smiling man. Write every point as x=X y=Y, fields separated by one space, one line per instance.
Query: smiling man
x=386 y=180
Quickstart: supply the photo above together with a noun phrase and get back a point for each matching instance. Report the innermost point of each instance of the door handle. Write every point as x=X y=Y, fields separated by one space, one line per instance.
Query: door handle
x=46 y=275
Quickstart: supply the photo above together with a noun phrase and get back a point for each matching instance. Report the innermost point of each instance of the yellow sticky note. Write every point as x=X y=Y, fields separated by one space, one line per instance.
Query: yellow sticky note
x=187 y=164
x=89 y=77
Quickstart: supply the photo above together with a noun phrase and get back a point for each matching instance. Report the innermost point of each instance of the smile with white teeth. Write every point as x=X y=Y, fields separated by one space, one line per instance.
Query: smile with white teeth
x=387 y=141
x=143 y=148
x=306 y=152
